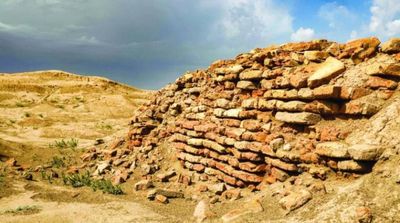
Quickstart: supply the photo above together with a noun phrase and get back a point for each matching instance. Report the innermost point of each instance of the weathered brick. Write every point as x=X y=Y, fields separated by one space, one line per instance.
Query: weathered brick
x=328 y=70
x=304 y=118
x=251 y=75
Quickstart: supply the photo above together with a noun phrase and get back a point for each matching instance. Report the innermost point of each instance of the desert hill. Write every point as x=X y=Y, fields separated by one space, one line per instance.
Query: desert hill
x=44 y=108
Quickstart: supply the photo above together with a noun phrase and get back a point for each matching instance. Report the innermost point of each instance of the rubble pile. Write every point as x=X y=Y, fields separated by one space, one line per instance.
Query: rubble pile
x=262 y=117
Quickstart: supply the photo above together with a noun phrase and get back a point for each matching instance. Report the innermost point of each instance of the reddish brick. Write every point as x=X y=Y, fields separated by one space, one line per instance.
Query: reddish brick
x=298 y=80
x=251 y=125
x=190 y=124
x=231 y=122
x=378 y=82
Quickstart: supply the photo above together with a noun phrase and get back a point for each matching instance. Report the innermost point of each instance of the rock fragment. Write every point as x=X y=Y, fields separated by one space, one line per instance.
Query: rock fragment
x=328 y=70
x=304 y=118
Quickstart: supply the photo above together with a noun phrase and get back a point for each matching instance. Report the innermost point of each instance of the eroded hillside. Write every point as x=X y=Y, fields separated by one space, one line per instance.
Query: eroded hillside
x=47 y=108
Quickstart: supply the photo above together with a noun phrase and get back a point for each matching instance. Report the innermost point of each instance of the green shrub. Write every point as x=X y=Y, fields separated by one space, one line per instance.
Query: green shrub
x=63 y=144
x=57 y=162
x=80 y=180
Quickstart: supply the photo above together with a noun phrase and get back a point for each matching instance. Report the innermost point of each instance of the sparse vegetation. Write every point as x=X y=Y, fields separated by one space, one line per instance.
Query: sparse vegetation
x=2 y=176
x=46 y=176
x=28 y=209
x=27 y=114
x=80 y=180
x=64 y=144
x=104 y=126
x=57 y=162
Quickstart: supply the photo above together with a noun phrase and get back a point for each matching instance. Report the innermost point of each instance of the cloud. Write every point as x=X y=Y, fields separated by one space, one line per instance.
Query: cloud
x=14 y=28
x=132 y=40
x=303 y=34
x=250 y=20
x=385 y=18
x=335 y=14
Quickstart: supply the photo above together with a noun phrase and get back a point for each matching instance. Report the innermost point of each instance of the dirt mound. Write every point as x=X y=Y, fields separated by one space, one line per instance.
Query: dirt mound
x=286 y=120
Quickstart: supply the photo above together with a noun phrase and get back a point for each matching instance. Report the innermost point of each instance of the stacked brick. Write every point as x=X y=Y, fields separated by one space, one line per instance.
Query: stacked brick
x=273 y=112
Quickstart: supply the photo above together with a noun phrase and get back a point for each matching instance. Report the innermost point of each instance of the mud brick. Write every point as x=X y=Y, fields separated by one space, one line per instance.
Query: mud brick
x=229 y=85
x=309 y=158
x=189 y=124
x=246 y=155
x=251 y=75
x=328 y=70
x=250 y=103
x=205 y=127
x=352 y=93
x=359 y=108
x=188 y=157
x=247 y=177
x=246 y=85
x=298 y=80
x=234 y=133
x=267 y=150
x=322 y=107
x=279 y=174
x=360 y=49
x=231 y=122
x=195 y=134
x=281 y=164
x=178 y=138
x=251 y=167
x=351 y=165
x=268 y=84
x=251 y=125
x=211 y=135
x=304 y=118
x=267 y=105
x=378 y=82
x=248 y=114
x=327 y=92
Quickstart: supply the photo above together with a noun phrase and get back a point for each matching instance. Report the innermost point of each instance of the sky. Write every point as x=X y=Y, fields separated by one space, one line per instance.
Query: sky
x=149 y=43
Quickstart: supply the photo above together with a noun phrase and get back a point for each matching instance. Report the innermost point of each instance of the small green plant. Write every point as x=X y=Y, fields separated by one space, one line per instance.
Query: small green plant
x=46 y=176
x=63 y=144
x=104 y=126
x=57 y=162
x=80 y=180
x=28 y=209
x=77 y=180
x=107 y=187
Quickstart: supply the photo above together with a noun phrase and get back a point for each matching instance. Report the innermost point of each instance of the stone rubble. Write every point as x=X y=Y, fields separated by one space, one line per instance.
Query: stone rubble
x=261 y=118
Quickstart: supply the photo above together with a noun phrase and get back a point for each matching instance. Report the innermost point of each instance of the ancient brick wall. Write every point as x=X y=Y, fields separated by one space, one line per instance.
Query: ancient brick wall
x=273 y=112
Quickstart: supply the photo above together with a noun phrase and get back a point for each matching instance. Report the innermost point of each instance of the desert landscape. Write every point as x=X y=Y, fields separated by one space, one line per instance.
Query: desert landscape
x=299 y=132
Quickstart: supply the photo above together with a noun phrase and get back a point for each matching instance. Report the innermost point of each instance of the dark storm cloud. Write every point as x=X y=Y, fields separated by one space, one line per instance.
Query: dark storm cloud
x=144 y=43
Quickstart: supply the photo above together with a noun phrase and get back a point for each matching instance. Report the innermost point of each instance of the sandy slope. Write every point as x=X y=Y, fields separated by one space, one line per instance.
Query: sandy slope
x=38 y=108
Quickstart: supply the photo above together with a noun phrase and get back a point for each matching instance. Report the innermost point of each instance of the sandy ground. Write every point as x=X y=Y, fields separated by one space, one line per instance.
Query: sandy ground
x=111 y=210
x=38 y=108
